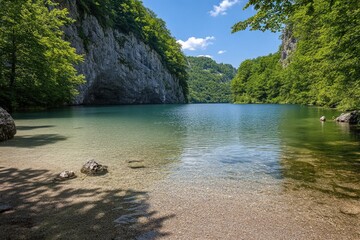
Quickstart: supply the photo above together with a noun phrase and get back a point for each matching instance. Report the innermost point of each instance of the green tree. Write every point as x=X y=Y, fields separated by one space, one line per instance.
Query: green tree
x=324 y=69
x=258 y=80
x=36 y=64
x=271 y=14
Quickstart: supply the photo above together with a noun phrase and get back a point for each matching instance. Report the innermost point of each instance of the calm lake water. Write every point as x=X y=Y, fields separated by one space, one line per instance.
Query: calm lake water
x=205 y=143
x=208 y=164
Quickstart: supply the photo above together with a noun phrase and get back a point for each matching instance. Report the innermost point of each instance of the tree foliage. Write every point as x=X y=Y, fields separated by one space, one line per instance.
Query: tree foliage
x=325 y=67
x=257 y=81
x=36 y=64
x=209 y=82
x=271 y=14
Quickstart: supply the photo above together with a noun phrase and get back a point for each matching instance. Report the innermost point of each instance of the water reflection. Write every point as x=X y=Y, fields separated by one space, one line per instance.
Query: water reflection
x=267 y=144
x=224 y=141
x=321 y=157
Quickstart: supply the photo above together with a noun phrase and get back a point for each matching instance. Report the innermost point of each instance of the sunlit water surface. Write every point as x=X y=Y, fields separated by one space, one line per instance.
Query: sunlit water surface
x=266 y=144
x=256 y=148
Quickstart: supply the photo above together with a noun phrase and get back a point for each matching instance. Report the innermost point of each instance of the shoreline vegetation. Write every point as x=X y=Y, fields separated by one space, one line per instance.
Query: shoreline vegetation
x=319 y=55
x=37 y=67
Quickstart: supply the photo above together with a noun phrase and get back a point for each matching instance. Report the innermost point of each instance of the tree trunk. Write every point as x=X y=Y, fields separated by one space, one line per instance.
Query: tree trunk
x=13 y=61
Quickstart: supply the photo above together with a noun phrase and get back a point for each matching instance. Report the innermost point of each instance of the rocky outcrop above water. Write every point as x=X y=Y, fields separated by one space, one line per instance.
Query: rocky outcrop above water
x=7 y=126
x=118 y=67
x=350 y=117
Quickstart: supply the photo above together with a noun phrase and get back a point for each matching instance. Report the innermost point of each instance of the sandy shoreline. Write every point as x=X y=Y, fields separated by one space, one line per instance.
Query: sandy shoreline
x=91 y=208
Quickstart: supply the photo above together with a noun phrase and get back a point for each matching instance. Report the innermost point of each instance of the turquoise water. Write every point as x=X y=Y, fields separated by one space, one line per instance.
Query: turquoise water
x=278 y=145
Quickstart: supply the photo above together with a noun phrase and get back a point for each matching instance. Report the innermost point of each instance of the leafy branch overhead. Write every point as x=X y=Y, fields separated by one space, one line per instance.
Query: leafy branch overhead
x=36 y=64
x=271 y=15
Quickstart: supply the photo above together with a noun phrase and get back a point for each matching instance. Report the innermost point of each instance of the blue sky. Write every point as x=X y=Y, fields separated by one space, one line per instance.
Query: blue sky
x=203 y=27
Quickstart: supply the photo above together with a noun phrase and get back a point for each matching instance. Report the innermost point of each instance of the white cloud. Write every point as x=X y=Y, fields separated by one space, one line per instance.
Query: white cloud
x=223 y=7
x=194 y=43
x=208 y=56
x=221 y=51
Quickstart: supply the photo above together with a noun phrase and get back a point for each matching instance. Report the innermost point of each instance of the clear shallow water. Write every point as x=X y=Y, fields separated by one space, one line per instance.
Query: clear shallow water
x=276 y=145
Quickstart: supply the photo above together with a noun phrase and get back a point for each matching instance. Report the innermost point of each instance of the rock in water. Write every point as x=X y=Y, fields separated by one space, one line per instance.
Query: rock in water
x=350 y=117
x=323 y=119
x=65 y=175
x=7 y=126
x=91 y=167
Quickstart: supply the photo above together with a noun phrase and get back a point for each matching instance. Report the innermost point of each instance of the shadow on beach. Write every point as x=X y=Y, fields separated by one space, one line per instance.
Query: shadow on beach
x=46 y=209
x=33 y=141
x=27 y=128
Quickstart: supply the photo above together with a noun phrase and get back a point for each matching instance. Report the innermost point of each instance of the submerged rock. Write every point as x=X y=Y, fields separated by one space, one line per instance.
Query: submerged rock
x=91 y=167
x=65 y=175
x=7 y=126
x=350 y=117
x=350 y=210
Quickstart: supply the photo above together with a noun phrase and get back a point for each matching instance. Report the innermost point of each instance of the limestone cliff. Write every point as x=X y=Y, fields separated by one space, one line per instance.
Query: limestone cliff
x=288 y=46
x=119 y=68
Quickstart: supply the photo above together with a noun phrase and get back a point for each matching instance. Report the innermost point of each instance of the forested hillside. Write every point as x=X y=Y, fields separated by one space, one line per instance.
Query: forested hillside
x=209 y=82
x=323 y=70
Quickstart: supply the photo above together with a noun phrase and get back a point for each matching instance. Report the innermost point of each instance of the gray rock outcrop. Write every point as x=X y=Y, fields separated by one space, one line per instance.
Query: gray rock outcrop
x=7 y=126
x=288 y=46
x=118 y=67
x=91 y=167
x=350 y=117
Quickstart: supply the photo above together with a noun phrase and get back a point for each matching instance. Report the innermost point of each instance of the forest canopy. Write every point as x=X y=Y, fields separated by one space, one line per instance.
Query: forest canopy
x=324 y=69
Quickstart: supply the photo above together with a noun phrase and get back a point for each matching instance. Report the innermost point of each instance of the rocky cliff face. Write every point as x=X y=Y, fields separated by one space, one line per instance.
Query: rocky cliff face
x=288 y=46
x=119 y=68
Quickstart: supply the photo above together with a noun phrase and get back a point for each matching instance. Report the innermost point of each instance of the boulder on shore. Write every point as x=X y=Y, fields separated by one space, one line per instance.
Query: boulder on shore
x=350 y=117
x=91 y=167
x=7 y=126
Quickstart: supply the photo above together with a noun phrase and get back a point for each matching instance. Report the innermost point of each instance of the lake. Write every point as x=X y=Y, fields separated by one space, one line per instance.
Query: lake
x=208 y=166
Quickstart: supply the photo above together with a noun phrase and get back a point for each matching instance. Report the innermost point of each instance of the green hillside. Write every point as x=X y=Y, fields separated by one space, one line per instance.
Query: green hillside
x=209 y=82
